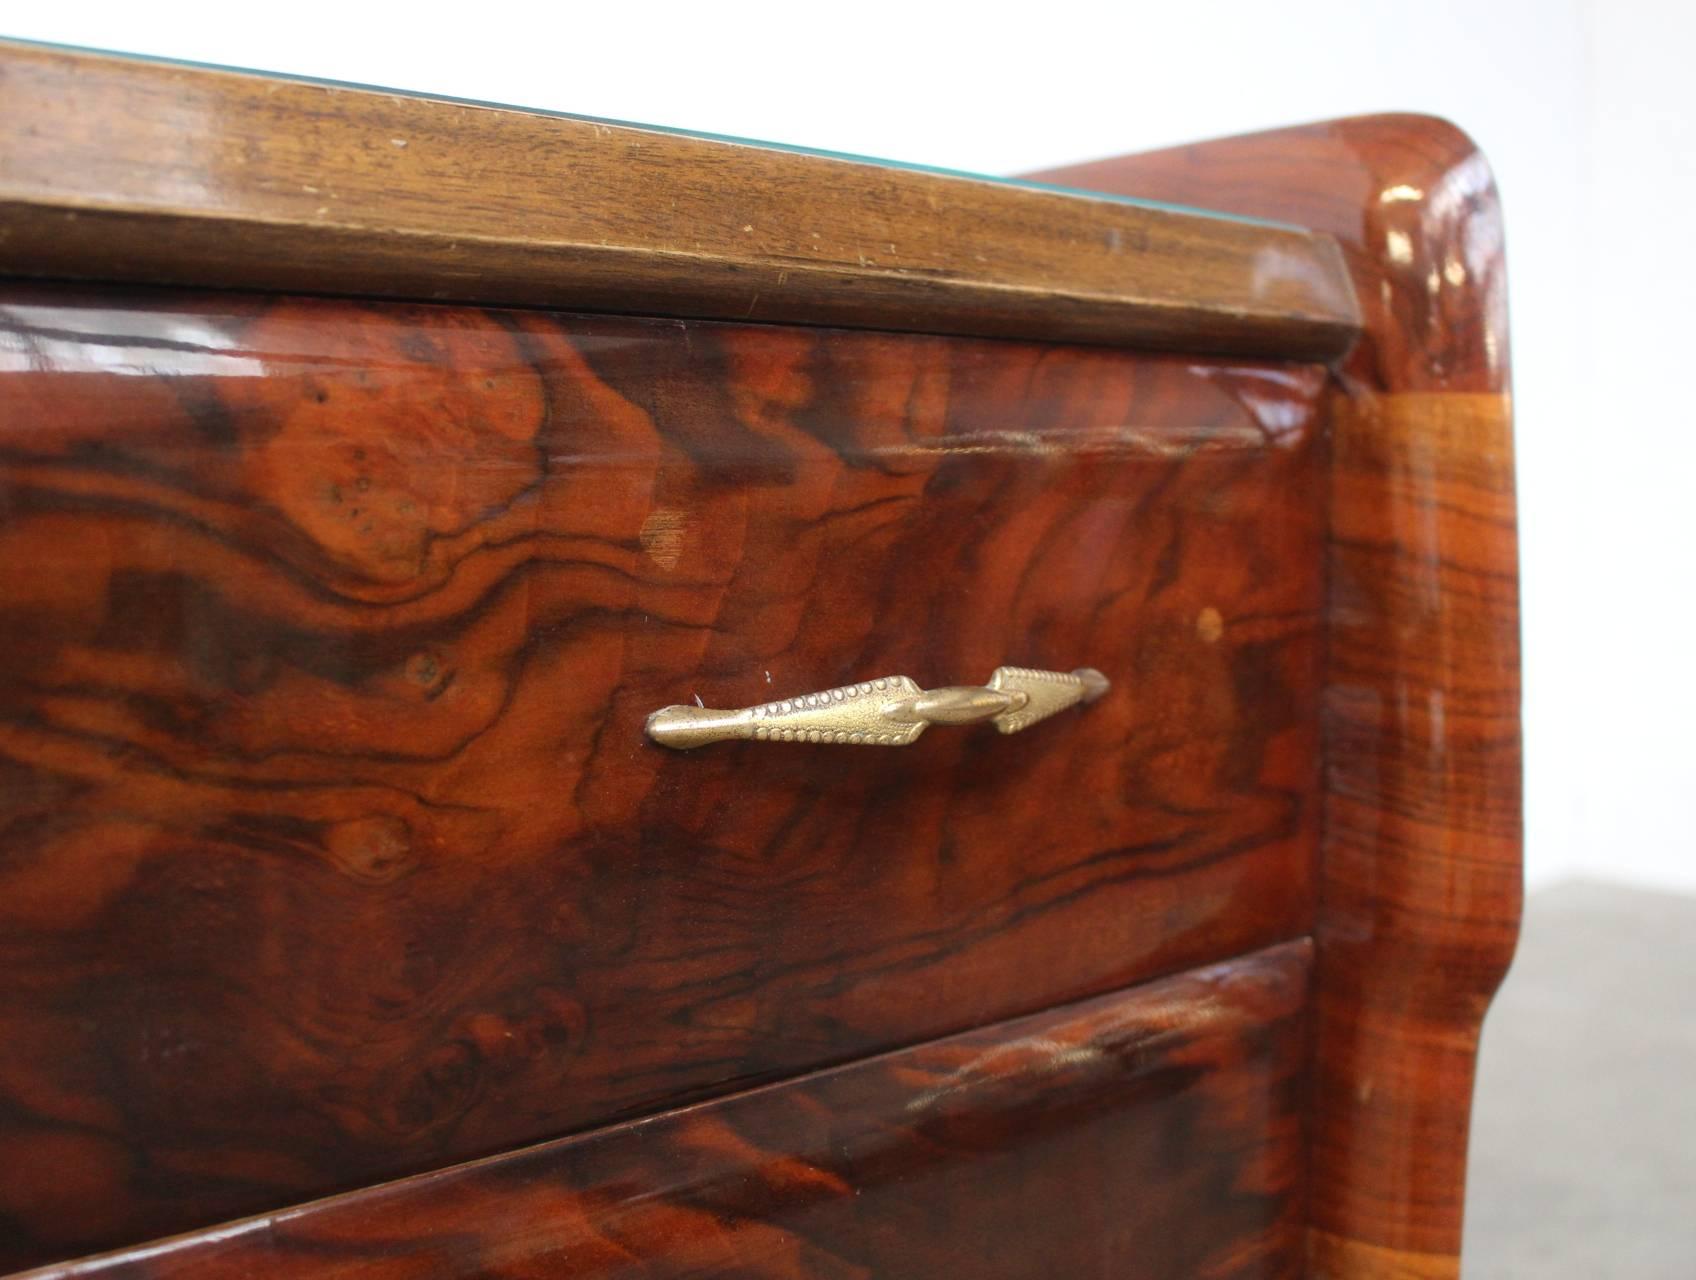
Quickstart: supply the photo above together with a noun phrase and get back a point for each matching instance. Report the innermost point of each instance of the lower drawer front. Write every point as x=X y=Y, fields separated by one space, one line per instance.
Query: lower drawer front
x=1155 y=1133
x=334 y=851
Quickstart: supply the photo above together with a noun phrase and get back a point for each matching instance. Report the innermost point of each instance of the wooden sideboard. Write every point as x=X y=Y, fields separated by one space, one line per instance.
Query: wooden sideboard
x=372 y=466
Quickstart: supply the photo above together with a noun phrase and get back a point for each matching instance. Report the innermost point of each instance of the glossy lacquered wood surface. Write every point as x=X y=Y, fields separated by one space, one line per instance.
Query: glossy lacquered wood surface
x=332 y=846
x=1420 y=872
x=114 y=169
x=1149 y=1135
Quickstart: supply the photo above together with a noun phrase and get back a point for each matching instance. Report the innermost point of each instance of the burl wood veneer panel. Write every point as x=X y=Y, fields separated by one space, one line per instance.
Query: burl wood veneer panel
x=1154 y=1134
x=331 y=849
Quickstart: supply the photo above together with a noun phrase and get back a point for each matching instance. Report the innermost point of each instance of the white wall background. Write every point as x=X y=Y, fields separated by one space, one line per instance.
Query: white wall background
x=1584 y=106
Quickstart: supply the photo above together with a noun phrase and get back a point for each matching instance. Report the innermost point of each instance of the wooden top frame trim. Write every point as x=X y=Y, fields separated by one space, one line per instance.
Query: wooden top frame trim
x=124 y=170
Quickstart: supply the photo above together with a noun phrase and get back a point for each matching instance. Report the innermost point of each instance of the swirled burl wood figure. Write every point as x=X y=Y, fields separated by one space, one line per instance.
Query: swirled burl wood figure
x=890 y=711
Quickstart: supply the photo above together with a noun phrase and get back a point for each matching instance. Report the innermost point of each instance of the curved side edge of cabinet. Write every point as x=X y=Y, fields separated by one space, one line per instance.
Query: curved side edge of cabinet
x=1155 y=1132
x=1420 y=872
x=114 y=169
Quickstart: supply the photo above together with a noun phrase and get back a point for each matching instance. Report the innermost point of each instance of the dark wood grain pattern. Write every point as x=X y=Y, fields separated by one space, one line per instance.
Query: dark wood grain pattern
x=112 y=169
x=330 y=846
x=1420 y=877
x=1149 y=1135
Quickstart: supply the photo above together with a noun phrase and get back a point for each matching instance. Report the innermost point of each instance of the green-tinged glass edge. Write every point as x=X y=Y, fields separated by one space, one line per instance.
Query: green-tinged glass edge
x=763 y=144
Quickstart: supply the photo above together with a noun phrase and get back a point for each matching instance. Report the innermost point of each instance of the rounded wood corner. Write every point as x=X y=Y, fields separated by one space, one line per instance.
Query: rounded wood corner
x=1420 y=877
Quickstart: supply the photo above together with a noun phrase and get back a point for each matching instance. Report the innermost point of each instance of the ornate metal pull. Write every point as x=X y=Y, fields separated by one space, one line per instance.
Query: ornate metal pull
x=890 y=711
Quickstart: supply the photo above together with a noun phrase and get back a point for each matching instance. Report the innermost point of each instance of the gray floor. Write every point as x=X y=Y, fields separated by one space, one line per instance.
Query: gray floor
x=1584 y=1126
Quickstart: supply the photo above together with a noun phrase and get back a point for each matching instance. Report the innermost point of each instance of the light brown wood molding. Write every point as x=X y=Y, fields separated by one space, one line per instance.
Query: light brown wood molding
x=143 y=172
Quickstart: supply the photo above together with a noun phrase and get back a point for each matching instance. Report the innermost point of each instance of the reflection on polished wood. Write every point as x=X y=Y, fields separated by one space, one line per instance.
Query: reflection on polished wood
x=333 y=850
x=118 y=170
x=1154 y=1134
x=1420 y=876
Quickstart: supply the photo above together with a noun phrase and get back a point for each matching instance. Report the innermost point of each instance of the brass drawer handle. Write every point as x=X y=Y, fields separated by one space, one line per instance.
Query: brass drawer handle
x=890 y=711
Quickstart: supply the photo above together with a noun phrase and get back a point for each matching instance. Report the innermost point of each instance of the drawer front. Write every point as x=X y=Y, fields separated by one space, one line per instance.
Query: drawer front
x=334 y=850
x=1155 y=1134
